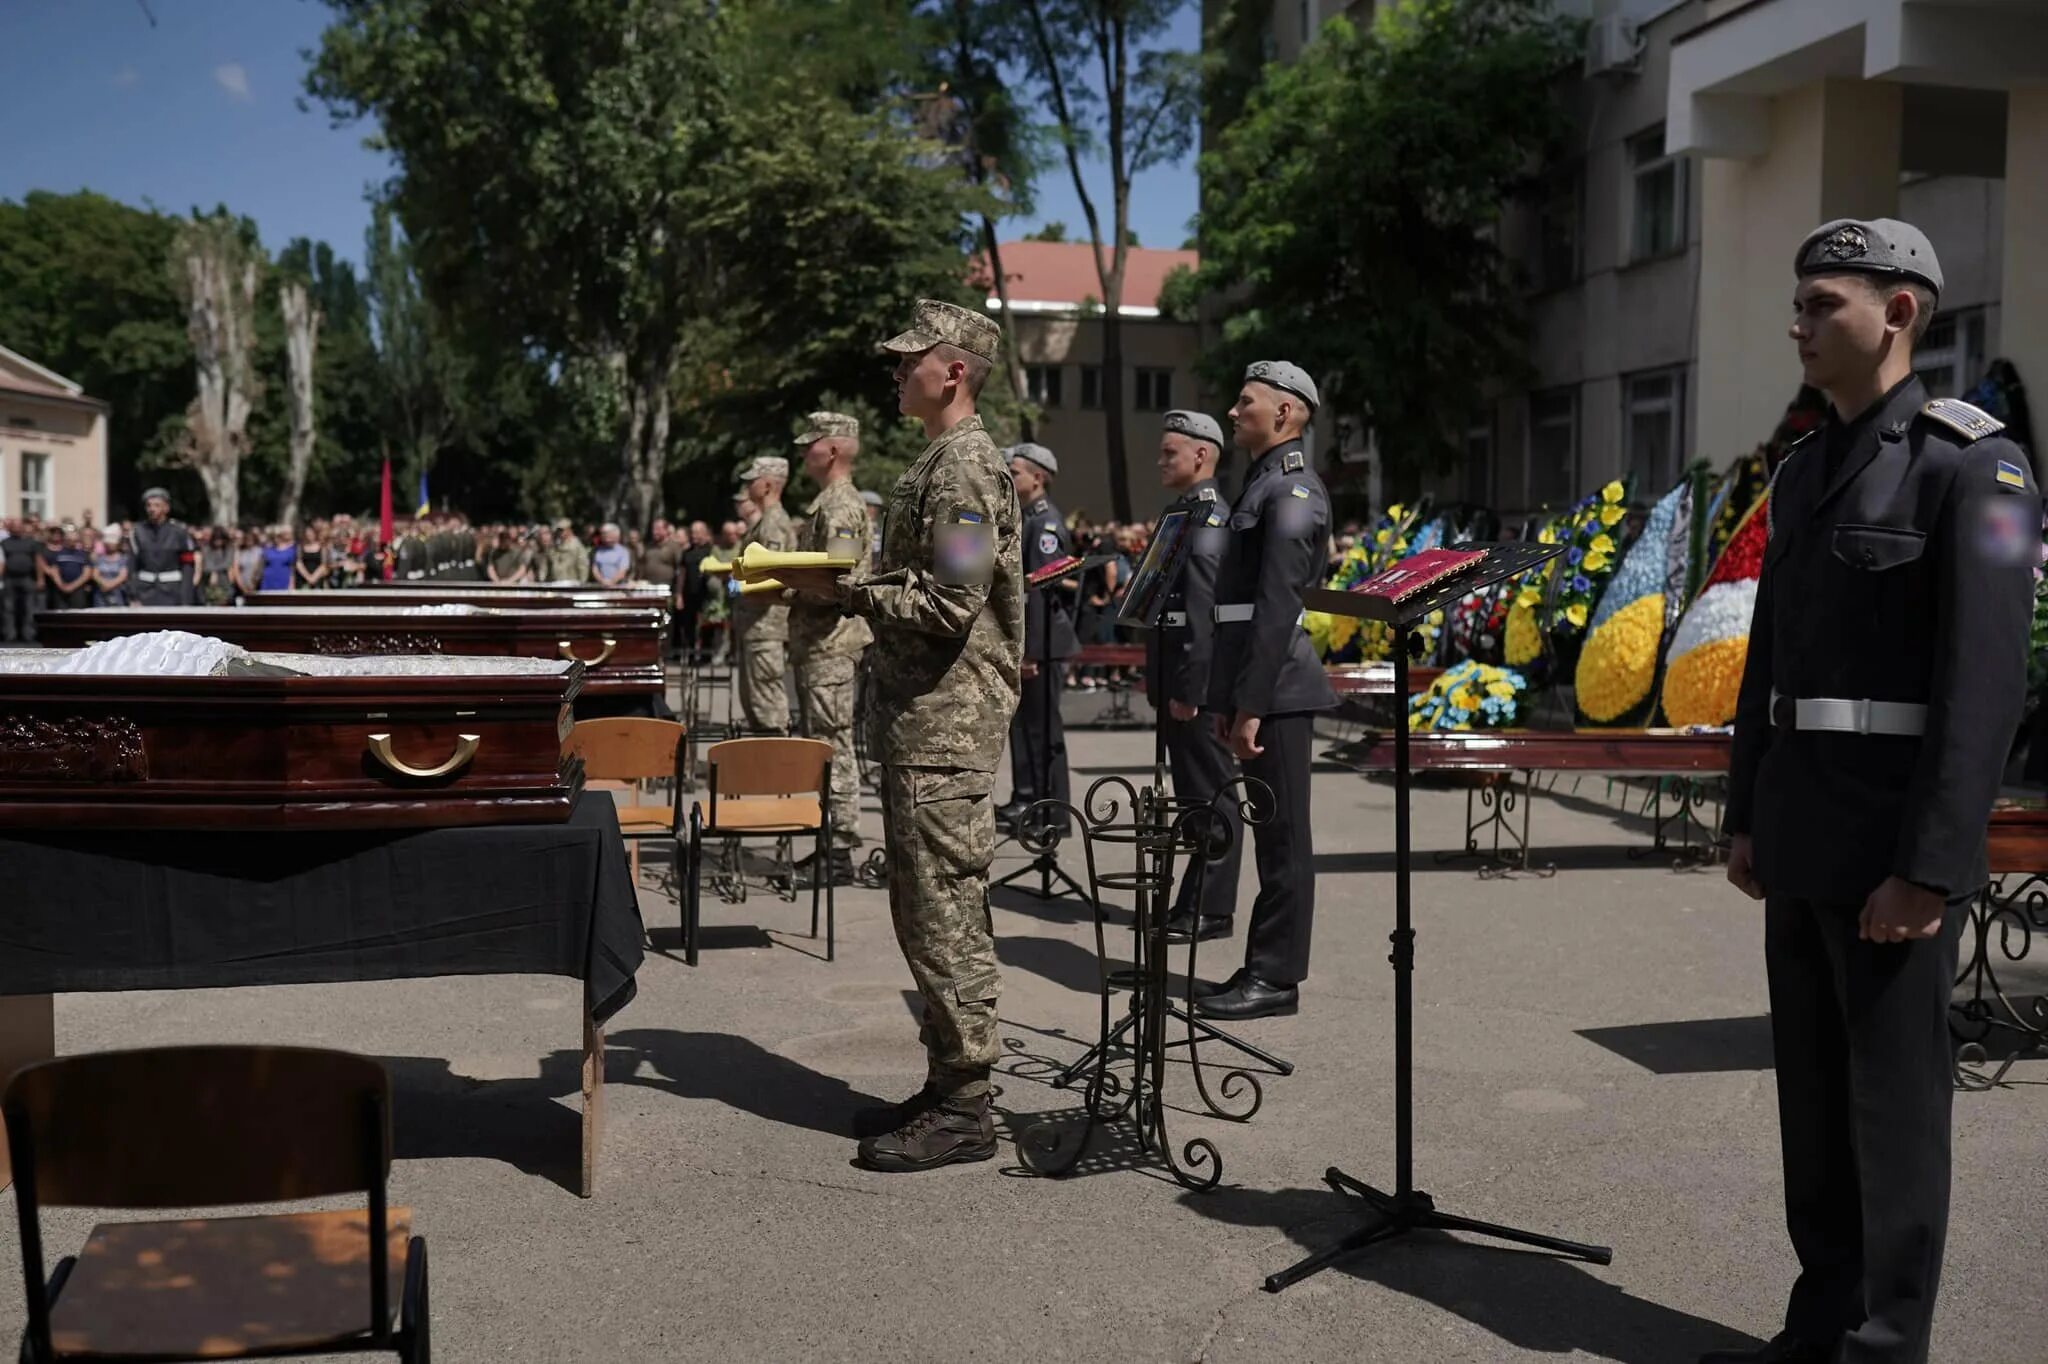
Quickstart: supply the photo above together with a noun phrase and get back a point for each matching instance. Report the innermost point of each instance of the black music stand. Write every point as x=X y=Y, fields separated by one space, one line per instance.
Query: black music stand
x=1407 y=1208
x=1043 y=842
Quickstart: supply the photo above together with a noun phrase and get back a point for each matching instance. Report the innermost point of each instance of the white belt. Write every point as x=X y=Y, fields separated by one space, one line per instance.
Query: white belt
x=1236 y=611
x=157 y=577
x=1173 y=620
x=415 y=573
x=1844 y=716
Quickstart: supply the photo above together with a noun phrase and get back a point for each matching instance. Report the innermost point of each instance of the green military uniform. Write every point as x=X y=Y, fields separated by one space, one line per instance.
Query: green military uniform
x=824 y=643
x=760 y=624
x=569 y=560
x=947 y=604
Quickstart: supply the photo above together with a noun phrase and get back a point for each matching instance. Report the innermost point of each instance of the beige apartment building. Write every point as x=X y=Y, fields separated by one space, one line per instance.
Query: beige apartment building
x=1708 y=138
x=53 y=444
x=1056 y=312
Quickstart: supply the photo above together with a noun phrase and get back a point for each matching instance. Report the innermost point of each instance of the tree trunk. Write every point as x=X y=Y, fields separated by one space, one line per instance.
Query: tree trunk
x=1013 y=363
x=223 y=496
x=1113 y=412
x=301 y=337
x=216 y=276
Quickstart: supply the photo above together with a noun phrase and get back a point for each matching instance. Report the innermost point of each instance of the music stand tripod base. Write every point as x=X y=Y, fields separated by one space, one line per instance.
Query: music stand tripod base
x=1407 y=1208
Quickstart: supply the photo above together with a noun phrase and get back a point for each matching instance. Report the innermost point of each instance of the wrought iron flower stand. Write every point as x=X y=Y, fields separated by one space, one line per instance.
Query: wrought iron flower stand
x=1160 y=831
x=1989 y=1009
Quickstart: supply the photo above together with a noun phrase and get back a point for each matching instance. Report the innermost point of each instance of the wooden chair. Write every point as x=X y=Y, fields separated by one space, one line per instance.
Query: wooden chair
x=182 y=1127
x=622 y=752
x=763 y=788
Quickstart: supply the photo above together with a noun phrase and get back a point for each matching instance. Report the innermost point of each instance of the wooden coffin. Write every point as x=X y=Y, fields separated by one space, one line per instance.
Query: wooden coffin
x=354 y=743
x=1646 y=751
x=524 y=596
x=619 y=647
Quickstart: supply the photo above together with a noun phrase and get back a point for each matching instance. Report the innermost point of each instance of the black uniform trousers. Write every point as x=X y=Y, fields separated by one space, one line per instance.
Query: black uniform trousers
x=1276 y=945
x=1038 y=741
x=1860 y=1035
x=1201 y=767
x=19 y=598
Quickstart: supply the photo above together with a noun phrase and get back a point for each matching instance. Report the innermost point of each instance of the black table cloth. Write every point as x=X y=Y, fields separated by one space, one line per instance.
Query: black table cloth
x=153 y=910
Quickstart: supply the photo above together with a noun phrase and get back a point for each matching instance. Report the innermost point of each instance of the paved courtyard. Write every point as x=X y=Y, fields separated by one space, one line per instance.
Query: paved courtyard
x=1592 y=1059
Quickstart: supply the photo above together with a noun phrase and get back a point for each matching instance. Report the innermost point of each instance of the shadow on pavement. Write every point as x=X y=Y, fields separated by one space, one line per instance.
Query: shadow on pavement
x=1693 y=1046
x=1531 y=1300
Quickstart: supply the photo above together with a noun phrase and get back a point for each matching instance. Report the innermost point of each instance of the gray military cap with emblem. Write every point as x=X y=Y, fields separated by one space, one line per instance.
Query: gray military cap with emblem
x=1035 y=454
x=1878 y=246
x=934 y=323
x=822 y=425
x=1286 y=376
x=764 y=466
x=148 y=493
x=1200 y=425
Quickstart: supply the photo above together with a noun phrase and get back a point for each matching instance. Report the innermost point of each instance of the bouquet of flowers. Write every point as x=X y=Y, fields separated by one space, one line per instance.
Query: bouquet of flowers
x=1470 y=695
x=1617 y=668
x=1704 y=671
x=1593 y=537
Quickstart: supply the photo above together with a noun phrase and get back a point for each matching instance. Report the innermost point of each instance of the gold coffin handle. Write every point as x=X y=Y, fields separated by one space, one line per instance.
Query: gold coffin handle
x=563 y=647
x=465 y=748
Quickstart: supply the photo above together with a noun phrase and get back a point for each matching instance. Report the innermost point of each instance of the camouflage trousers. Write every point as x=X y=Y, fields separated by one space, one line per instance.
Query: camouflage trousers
x=824 y=687
x=939 y=823
x=762 y=663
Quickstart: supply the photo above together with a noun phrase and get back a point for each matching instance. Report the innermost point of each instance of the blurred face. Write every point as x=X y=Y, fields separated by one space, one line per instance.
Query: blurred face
x=659 y=531
x=759 y=490
x=925 y=383
x=1260 y=417
x=156 y=508
x=544 y=538
x=1030 y=480
x=1181 y=460
x=1841 y=325
x=608 y=536
x=700 y=534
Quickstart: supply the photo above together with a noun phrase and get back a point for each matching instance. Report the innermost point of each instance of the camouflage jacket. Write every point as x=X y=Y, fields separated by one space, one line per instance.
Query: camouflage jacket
x=838 y=524
x=769 y=620
x=947 y=604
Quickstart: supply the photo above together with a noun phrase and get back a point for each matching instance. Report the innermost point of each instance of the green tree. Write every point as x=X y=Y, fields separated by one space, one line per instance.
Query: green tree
x=1051 y=232
x=1349 y=214
x=215 y=263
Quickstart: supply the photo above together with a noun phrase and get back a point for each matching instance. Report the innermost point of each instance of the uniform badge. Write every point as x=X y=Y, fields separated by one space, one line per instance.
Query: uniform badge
x=2007 y=535
x=1292 y=462
x=1965 y=419
x=1297 y=491
x=1048 y=542
x=2011 y=475
x=1215 y=518
x=1205 y=494
x=1845 y=243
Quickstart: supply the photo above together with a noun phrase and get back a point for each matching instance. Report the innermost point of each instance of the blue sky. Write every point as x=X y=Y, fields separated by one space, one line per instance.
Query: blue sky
x=201 y=107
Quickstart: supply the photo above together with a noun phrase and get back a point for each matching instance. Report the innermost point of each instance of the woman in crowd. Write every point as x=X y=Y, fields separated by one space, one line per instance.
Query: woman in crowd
x=216 y=569
x=310 y=572
x=278 y=558
x=245 y=570
x=70 y=572
x=110 y=571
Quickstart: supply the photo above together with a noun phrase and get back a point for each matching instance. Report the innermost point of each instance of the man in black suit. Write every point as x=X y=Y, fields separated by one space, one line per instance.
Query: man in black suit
x=1884 y=681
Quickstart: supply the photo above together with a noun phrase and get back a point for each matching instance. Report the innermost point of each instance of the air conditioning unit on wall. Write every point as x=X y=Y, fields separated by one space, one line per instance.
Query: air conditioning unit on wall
x=1614 y=46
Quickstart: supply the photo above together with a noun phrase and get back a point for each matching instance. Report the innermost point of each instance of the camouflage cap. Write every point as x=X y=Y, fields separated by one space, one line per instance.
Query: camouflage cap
x=1033 y=453
x=764 y=466
x=1200 y=425
x=1877 y=246
x=1284 y=375
x=933 y=323
x=820 y=425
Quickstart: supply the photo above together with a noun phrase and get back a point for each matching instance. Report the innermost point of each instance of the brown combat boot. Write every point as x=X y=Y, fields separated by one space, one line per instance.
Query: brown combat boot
x=953 y=1132
x=880 y=1120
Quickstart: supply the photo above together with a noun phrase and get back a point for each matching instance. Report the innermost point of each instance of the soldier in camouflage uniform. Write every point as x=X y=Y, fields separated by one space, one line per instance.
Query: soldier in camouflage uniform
x=824 y=643
x=761 y=623
x=947 y=604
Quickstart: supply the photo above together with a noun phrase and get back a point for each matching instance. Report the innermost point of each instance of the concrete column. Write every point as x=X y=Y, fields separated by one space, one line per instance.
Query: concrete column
x=1834 y=153
x=2023 y=311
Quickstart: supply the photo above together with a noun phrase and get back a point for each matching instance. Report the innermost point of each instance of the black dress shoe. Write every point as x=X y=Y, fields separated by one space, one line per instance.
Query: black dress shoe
x=1011 y=813
x=1784 y=1348
x=1183 y=926
x=1203 y=989
x=1250 y=998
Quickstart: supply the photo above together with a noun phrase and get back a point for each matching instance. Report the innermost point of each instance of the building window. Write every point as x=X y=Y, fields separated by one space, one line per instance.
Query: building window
x=1042 y=384
x=1155 y=390
x=35 y=486
x=1557 y=233
x=1479 y=464
x=1553 y=447
x=1308 y=21
x=1950 y=358
x=1659 y=187
x=1653 y=428
x=1091 y=387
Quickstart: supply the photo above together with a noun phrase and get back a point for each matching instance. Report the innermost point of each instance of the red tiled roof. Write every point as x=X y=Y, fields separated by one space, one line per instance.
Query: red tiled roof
x=1064 y=272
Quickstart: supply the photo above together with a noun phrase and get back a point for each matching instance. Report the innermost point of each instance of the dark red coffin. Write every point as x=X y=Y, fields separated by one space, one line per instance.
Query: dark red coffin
x=527 y=596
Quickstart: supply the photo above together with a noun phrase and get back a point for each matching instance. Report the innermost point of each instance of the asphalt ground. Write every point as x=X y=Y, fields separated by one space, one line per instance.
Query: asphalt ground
x=1591 y=1059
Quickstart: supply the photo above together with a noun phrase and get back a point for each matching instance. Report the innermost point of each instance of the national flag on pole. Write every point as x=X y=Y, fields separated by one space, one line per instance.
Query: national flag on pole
x=384 y=521
x=426 y=503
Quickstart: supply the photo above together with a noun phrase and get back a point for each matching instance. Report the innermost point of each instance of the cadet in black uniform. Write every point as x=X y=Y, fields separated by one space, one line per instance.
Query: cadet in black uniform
x=1266 y=683
x=1884 y=681
x=1038 y=739
x=164 y=555
x=1177 y=660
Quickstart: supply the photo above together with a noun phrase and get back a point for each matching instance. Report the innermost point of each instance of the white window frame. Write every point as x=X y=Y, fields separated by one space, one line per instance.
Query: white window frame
x=48 y=494
x=1570 y=480
x=1672 y=404
x=1641 y=167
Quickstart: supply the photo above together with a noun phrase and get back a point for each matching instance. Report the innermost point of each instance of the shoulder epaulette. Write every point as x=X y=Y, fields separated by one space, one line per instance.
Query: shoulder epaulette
x=1965 y=419
x=1205 y=494
x=1292 y=462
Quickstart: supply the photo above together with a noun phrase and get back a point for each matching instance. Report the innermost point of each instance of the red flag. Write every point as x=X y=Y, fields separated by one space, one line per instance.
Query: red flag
x=384 y=521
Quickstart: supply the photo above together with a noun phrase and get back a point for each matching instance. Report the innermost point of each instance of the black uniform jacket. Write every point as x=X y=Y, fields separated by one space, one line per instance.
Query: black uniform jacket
x=1046 y=539
x=1279 y=544
x=1908 y=576
x=1178 y=652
